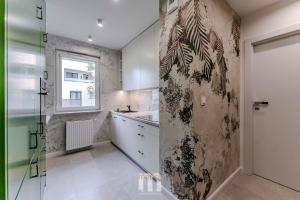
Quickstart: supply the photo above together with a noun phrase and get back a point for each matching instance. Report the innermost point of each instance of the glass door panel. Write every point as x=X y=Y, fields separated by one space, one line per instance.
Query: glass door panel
x=24 y=69
x=30 y=187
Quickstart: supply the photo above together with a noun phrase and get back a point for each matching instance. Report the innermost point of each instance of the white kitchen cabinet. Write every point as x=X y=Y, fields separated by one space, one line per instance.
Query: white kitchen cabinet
x=147 y=64
x=149 y=147
x=138 y=140
x=156 y=53
x=140 y=61
x=130 y=66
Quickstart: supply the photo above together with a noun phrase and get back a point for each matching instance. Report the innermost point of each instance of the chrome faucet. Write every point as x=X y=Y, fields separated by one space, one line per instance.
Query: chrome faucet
x=129 y=107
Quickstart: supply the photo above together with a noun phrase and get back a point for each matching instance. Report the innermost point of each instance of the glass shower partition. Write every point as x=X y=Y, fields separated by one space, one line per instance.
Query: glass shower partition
x=25 y=65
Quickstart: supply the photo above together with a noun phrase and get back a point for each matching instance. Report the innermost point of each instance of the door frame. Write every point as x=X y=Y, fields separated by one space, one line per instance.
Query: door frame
x=247 y=136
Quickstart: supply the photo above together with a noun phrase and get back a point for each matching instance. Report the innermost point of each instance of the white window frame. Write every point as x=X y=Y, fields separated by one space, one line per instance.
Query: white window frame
x=59 y=77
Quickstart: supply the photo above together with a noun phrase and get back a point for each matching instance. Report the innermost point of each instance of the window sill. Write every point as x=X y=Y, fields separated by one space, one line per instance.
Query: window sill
x=76 y=112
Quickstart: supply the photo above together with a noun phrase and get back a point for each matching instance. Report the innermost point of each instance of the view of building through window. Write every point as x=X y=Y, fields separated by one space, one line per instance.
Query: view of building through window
x=78 y=83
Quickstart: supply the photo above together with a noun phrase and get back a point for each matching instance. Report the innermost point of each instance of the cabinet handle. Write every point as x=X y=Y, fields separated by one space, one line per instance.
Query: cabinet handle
x=115 y=117
x=36 y=168
x=141 y=126
x=123 y=120
x=39 y=12
x=36 y=140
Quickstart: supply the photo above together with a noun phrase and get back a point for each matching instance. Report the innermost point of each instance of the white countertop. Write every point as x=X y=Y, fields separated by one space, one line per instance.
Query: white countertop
x=134 y=115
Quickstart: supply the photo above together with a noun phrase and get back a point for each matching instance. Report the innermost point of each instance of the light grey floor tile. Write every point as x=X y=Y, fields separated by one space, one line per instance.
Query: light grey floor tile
x=246 y=187
x=104 y=173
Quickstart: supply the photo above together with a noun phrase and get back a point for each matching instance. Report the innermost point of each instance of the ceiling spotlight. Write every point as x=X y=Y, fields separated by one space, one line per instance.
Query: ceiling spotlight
x=100 y=23
x=90 y=39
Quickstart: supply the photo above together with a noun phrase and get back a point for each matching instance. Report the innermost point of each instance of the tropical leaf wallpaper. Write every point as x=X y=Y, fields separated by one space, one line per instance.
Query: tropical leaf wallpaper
x=199 y=59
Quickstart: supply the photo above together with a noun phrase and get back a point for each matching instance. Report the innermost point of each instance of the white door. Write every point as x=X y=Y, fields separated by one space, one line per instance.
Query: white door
x=276 y=80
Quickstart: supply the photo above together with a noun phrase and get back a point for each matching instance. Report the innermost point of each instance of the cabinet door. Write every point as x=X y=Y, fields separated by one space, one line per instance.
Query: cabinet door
x=132 y=139
x=156 y=55
x=122 y=134
x=147 y=58
x=130 y=66
x=114 y=129
x=125 y=135
x=149 y=147
x=140 y=61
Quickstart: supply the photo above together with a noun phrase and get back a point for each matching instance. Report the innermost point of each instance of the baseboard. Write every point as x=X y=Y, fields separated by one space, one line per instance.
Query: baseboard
x=61 y=153
x=168 y=194
x=224 y=185
x=55 y=154
x=102 y=143
x=213 y=195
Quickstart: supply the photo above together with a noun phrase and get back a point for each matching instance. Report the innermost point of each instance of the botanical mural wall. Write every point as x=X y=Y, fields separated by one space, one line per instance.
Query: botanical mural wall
x=199 y=59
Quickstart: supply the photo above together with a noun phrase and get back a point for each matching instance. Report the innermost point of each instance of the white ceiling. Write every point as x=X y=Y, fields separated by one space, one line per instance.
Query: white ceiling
x=246 y=7
x=122 y=19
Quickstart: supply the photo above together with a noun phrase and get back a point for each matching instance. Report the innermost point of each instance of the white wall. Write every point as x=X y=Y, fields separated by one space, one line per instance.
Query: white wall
x=278 y=16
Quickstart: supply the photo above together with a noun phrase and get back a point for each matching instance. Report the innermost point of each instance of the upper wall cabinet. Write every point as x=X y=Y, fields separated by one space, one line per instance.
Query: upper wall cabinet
x=140 y=61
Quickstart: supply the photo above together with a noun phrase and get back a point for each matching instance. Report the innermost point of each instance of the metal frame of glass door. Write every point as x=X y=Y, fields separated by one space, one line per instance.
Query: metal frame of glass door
x=2 y=102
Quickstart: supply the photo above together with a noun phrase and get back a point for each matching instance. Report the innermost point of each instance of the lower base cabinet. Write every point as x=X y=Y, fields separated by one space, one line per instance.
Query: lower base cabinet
x=138 y=140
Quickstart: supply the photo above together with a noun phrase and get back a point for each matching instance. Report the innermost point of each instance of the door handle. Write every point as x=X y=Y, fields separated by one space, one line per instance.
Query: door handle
x=257 y=104
x=43 y=93
x=261 y=103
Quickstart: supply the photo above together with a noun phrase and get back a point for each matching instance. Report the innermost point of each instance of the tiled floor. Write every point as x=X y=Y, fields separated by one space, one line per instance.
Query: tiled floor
x=104 y=173
x=255 y=188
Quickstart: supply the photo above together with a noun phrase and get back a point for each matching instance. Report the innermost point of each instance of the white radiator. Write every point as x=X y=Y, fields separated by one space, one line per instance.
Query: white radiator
x=79 y=134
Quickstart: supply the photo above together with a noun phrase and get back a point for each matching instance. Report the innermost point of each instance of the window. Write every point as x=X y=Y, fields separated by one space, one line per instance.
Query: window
x=75 y=95
x=77 y=82
x=70 y=75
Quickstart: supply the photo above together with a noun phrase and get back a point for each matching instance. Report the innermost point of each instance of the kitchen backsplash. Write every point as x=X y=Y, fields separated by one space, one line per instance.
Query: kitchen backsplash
x=144 y=100
x=139 y=100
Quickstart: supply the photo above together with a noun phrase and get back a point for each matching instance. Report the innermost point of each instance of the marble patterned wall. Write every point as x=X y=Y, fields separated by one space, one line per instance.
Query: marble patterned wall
x=199 y=59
